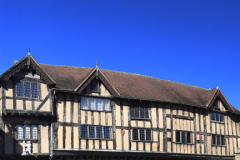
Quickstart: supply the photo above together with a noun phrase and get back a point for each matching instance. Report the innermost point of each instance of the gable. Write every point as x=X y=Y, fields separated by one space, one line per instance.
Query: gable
x=96 y=74
x=28 y=63
x=220 y=101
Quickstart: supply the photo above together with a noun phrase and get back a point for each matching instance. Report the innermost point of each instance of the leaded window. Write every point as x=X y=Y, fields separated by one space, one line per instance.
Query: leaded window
x=27 y=89
x=141 y=134
x=217 y=117
x=95 y=104
x=95 y=132
x=183 y=137
x=27 y=131
x=218 y=140
x=139 y=112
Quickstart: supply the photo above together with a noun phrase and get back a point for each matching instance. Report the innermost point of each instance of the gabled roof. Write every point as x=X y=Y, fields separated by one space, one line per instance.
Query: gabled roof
x=122 y=84
x=28 y=60
x=95 y=72
x=131 y=86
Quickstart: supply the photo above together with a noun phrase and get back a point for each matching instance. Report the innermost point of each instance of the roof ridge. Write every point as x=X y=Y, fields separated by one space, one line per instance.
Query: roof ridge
x=66 y=66
x=131 y=74
x=156 y=78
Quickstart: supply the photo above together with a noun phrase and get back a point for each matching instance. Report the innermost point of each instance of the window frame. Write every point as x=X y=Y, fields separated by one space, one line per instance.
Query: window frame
x=95 y=107
x=139 y=134
x=139 y=107
x=185 y=135
x=96 y=133
x=30 y=132
x=220 y=140
x=30 y=89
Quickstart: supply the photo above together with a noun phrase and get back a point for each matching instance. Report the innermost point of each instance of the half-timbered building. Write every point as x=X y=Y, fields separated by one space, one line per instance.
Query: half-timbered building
x=62 y=112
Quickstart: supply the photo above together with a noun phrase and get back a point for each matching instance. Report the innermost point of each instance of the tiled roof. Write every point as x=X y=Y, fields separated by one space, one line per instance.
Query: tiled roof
x=133 y=86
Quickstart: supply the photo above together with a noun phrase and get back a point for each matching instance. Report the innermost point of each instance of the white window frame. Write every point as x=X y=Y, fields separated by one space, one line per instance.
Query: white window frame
x=86 y=105
x=23 y=132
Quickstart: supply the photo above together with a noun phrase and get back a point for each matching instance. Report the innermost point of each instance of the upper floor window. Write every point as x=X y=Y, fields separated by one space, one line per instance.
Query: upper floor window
x=26 y=131
x=102 y=132
x=142 y=134
x=217 y=117
x=27 y=89
x=139 y=112
x=183 y=137
x=95 y=85
x=95 y=104
x=218 y=140
x=216 y=105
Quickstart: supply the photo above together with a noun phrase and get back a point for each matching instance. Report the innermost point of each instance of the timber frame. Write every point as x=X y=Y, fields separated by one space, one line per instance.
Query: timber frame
x=60 y=112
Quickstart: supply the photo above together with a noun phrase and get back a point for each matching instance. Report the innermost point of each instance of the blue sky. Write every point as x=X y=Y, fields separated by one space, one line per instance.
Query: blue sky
x=191 y=42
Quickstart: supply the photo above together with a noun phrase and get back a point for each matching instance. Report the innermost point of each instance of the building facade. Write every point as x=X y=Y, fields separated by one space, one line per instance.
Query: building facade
x=61 y=112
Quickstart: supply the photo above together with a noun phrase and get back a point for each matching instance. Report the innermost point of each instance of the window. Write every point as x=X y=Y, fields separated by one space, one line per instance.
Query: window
x=142 y=134
x=95 y=85
x=216 y=105
x=95 y=104
x=27 y=89
x=26 y=131
x=217 y=117
x=218 y=140
x=99 y=132
x=139 y=112
x=183 y=137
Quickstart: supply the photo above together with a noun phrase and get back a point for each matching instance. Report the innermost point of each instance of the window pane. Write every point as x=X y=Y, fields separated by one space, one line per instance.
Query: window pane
x=217 y=116
x=188 y=137
x=135 y=134
x=20 y=89
x=34 y=90
x=27 y=89
x=136 y=112
x=148 y=135
x=19 y=131
x=146 y=112
x=218 y=140
x=84 y=132
x=183 y=137
x=95 y=87
x=106 y=132
x=91 y=132
x=142 y=134
x=213 y=116
x=177 y=136
x=99 y=104
x=99 y=132
x=26 y=131
x=84 y=103
x=132 y=112
x=141 y=112
x=213 y=139
x=106 y=104
x=223 y=140
x=221 y=117
x=91 y=103
x=34 y=132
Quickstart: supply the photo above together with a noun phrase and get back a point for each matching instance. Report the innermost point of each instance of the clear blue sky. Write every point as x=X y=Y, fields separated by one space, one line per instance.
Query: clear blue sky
x=196 y=42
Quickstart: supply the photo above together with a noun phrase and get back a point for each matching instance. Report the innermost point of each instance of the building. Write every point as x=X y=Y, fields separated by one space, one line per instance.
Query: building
x=65 y=112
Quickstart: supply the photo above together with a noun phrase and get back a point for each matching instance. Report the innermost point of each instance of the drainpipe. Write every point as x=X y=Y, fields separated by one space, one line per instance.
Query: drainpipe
x=51 y=155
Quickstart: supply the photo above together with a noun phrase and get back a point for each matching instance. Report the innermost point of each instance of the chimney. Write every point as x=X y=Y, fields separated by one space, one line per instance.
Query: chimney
x=15 y=62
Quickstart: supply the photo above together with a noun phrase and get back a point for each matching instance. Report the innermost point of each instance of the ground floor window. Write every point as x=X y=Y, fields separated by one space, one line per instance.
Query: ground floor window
x=27 y=131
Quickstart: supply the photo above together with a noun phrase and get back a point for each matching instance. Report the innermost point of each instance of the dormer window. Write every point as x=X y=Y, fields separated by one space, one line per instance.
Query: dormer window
x=95 y=85
x=27 y=89
x=216 y=105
